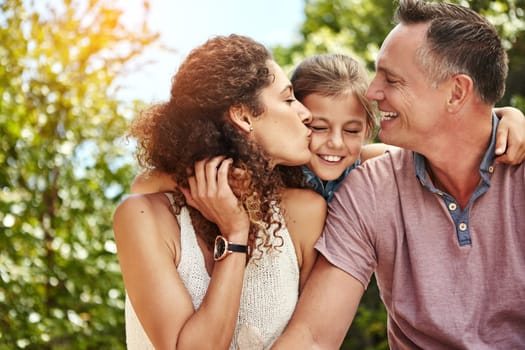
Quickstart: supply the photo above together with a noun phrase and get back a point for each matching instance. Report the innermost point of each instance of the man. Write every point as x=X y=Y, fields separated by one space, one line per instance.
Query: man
x=439 y=222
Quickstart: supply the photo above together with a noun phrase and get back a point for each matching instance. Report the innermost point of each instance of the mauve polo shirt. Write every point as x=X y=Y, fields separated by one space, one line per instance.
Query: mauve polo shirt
x=449 y=278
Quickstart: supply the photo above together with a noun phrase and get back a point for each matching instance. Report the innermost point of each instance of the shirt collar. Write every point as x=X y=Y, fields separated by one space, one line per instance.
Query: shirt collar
x=486 y=166
x=327 y=189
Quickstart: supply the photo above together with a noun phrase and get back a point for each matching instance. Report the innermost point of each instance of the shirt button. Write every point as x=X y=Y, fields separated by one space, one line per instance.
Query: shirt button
x=452 y=206
x=462 y=226
x=491 y=169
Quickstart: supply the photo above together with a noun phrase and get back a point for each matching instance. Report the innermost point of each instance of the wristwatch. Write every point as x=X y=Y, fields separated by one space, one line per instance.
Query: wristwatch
x=223 y=248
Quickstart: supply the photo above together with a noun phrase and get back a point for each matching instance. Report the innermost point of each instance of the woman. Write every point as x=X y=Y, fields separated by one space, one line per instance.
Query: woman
x=231 y=122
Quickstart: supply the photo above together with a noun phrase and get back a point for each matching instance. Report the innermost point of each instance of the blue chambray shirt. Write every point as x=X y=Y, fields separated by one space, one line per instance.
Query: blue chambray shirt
x=461 y=217
x=326 y=190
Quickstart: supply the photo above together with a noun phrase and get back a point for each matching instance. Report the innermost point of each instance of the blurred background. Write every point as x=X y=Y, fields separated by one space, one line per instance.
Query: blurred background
x=73 y=73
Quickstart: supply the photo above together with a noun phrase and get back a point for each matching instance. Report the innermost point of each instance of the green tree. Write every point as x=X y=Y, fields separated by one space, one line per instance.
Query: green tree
x=62 y=164
x=358 y=27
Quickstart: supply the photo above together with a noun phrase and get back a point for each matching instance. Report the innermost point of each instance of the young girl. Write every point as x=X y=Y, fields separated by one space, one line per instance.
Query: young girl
x=332 y=87
x=228 y=275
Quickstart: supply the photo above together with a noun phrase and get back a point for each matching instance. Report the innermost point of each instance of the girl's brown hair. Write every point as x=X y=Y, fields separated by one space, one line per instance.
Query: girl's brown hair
x=334 y=75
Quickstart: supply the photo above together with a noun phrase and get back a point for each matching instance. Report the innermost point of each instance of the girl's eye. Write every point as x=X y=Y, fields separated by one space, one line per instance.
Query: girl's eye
x=317 y=128
x=352 y=131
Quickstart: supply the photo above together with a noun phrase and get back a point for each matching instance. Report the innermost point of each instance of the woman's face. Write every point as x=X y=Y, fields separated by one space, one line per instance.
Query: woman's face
x=338 y=131
x=281 y=129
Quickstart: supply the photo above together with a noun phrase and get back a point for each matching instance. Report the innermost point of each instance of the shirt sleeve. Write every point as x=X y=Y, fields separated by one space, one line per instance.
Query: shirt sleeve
x=348 y=240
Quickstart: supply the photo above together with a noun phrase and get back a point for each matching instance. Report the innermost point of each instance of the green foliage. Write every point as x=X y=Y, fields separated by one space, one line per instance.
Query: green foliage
x=509 y=19
x=358 y=27
x=354 y=27
x=61 y=168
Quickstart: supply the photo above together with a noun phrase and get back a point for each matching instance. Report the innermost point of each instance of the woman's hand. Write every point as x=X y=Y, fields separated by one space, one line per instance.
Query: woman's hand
x=210 y=193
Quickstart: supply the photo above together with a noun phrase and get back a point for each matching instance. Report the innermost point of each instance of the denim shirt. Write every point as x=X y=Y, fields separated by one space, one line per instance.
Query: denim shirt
x=326 y=190
x=461 y=217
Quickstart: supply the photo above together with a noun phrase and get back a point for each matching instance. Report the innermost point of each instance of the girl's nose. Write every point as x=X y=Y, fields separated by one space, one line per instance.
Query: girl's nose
x=336 y=140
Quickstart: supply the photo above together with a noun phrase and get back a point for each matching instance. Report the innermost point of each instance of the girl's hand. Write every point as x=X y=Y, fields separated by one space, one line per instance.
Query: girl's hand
x=510 y=136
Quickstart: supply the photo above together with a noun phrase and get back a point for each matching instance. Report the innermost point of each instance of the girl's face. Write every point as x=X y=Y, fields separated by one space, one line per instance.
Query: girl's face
x=338 y=132
x=281 y=129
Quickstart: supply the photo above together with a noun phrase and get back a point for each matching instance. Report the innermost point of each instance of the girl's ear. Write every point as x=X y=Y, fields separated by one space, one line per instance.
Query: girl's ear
x=241 y=117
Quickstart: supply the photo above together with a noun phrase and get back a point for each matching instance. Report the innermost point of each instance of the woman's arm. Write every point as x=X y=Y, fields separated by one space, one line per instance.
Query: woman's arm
x=211 y=193
x=147 y=260
x=144 y=228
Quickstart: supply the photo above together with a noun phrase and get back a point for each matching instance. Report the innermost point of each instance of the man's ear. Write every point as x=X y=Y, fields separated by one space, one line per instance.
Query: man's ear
x=461 y=89
x=241 y=117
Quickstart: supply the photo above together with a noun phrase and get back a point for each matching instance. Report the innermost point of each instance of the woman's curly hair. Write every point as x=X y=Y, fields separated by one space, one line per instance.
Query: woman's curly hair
x=224 y=72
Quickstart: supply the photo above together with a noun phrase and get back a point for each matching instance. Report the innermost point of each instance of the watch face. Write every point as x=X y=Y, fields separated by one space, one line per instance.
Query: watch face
x=220 y=248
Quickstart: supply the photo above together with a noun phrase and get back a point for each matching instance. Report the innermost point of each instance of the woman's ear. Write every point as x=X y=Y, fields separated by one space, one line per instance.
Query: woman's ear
x=241 y=117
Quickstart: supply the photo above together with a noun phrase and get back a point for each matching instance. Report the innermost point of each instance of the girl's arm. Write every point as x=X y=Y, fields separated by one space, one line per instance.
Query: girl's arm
x=372 y=150
x=510 y=137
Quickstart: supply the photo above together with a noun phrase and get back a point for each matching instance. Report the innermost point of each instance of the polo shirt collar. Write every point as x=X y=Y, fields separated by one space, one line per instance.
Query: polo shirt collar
x=485 y=169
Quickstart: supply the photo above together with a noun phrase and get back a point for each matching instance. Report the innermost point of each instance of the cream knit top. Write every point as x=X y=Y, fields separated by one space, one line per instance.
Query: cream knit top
x=270 y=290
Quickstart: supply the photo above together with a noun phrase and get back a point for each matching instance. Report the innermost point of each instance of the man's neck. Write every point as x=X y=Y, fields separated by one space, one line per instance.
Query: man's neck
x=454 y=164
x=459 y=182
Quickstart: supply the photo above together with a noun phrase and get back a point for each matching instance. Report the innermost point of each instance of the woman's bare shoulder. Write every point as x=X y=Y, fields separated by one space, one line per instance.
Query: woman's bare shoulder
x=145 y=219
x=305 y=212
x=303 y=201
x=144 y=204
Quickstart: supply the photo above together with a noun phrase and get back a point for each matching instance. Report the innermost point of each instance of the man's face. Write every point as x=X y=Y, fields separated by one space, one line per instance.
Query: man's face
x=411 y=107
